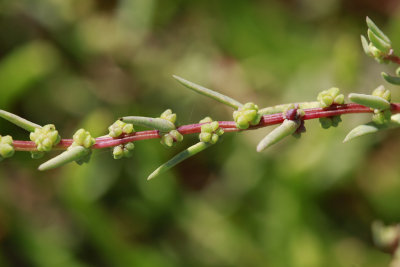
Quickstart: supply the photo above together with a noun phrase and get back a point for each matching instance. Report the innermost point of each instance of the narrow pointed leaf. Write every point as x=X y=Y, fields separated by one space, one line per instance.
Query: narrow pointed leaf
x=20 y=122
x=395 y=119
x=153 y=123
x=187 y=153
x=365 y=45
x=371 y=101
x=391 y=79
x=210 y=93
x=67 y=156
x=362 y=130
x=378 y=32
x=287 y=128
x=283 y=107
x=378 y=42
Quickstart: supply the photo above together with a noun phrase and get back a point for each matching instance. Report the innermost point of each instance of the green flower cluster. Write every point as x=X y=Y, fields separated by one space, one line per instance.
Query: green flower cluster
x=327 y=98
x=330 y=121
x=45 y=138
x=124 y=150
x=247 y=115
x=171 y=137
x=83 y=138
x=119 y=127
x=210 y=131
x=6 y=147
x=382 y=116
x=381 y=91
x=169 y=116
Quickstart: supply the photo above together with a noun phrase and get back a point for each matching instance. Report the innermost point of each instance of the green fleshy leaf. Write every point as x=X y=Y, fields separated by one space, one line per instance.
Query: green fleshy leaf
x=210 y=93
x=72 y=154
x=395 y=120
x=371 y=101
x=187 y=153
x=284 y=107
x=372 y=127
x=398 y=71
x=391 y=79
x=361 y=130
x=287 y=128
x=20 y=122
x=379 y=43
x=378 y=32
x=365 y=45
x=153 y=123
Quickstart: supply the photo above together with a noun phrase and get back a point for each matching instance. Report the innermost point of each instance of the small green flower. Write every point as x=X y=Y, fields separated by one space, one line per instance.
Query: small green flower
x=45 y=138
x=381 y=116
x=168 y=115
x=330 y=97
x=124 y=150
x=170 y=138
x=119 y=127
x=247 y=115
x=210 y=131
x=382 y=92
x=6 y=147
x=327 y=98
x=327 y=122
x=83 y=138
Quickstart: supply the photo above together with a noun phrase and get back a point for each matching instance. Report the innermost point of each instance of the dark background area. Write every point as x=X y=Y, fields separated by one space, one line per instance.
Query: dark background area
x=84 y=63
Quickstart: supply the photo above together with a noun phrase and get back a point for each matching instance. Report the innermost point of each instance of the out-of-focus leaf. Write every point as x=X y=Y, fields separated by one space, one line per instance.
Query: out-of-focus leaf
x=22 y=67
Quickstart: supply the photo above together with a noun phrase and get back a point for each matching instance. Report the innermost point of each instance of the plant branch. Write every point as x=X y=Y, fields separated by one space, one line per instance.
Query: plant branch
x=227 y=126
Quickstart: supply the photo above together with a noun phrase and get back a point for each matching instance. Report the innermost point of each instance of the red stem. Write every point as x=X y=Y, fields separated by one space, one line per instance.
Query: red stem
x=393 y=58
x=228 y=126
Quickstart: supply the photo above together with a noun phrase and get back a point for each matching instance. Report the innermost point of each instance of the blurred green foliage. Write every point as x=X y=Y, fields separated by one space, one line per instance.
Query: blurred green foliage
x=83 y=63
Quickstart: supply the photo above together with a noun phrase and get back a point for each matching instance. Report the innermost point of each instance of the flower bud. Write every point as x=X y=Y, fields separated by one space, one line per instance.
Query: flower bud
x=382 y=92
x=247 y=115
x=210 y=131
x=168 y=115
x=45 y=138
x=83 y=138
x=329 y=97
x=119 y=127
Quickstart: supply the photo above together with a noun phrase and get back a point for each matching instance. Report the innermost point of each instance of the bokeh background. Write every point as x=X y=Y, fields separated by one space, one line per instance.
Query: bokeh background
x=84 y=63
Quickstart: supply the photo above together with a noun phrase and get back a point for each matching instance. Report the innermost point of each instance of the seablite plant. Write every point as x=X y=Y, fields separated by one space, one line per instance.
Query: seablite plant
x=328 y=108
x=290 y=120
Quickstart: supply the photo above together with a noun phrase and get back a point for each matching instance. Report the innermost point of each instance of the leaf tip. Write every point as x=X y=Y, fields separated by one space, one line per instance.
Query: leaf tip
x=154 y=174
